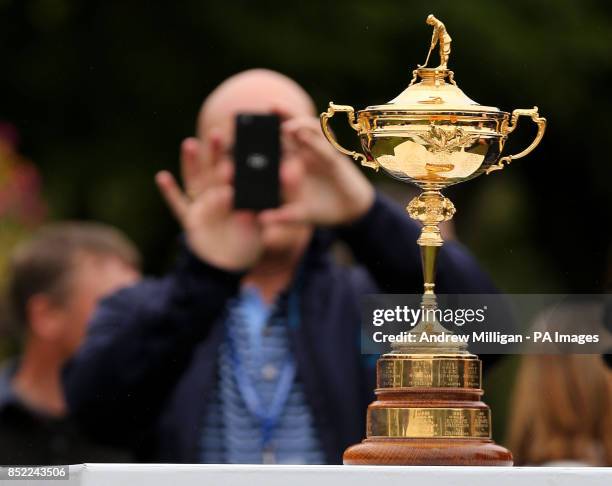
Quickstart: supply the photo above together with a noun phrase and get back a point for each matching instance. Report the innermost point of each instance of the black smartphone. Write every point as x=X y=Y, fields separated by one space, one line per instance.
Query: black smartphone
x=257 y=159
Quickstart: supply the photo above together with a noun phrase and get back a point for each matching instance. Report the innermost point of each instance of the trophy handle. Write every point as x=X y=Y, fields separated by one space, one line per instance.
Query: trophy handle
x=350 y=114
x=537 y=119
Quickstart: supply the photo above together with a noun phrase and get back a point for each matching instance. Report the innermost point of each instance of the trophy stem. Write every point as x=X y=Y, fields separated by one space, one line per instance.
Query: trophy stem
x=429 y=255
x=430 y=208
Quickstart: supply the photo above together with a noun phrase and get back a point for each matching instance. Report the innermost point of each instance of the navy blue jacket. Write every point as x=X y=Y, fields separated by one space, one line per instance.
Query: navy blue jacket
x=147 y=368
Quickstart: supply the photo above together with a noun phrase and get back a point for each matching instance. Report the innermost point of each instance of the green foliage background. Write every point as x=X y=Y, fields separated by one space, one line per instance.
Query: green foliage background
x=103 y=91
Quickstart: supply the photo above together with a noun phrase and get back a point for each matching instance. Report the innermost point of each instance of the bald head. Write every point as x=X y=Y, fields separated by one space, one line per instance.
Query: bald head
x=253 y=91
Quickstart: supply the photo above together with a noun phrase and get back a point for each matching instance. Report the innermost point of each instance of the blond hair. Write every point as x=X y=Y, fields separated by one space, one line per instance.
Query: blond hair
x=562 y=410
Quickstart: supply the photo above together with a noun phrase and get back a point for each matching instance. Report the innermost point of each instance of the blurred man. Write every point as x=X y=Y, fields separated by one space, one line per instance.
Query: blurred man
x=56 y=280
x=248 y=351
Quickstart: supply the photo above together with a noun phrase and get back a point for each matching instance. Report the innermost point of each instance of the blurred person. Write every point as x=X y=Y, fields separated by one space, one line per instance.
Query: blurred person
x=248 y=350
x=56 y=279
x=562 y=404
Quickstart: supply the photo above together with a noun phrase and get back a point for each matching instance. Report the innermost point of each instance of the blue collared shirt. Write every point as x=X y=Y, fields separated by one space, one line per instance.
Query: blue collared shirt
x=233 y=435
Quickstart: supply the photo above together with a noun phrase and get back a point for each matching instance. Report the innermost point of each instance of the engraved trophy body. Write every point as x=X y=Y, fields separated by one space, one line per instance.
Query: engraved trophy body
x=428 y=409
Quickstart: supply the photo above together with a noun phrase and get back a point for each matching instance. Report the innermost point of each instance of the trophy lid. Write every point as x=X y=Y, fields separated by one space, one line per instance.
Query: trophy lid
x=436 y=89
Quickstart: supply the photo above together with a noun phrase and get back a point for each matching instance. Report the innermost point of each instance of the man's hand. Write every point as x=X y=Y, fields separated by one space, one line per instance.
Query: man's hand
x=321 y=186
x=227 y=239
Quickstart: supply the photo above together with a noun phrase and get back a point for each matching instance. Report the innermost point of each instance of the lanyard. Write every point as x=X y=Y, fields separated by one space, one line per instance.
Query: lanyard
x=268 y=417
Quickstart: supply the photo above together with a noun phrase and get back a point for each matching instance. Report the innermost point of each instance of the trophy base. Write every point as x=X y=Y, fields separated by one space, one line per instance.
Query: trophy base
x=427 y=452
x=428 y=412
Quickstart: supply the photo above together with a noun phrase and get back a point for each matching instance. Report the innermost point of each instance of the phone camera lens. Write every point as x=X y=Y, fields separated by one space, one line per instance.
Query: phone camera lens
x=257 y=161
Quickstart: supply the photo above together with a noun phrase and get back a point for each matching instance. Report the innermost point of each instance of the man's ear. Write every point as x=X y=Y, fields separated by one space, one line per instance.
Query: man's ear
x=44 y=317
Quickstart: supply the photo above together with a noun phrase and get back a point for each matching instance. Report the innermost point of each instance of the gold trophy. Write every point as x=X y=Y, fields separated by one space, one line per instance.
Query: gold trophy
x=428 y=409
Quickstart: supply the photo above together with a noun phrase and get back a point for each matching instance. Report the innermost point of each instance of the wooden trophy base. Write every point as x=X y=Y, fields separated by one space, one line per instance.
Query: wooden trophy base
x=427 y=452
x=428 y=412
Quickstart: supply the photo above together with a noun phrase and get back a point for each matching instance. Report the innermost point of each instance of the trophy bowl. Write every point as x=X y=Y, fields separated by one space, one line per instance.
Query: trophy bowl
x=432 y=134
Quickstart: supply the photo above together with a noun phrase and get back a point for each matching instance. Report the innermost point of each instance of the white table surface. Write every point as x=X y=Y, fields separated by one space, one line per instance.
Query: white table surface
x=222 y=475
